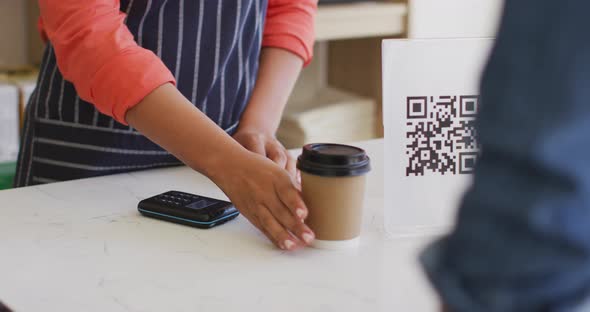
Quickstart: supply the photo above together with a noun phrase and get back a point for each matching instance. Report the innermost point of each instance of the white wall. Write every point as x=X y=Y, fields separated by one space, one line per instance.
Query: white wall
x=454 y=18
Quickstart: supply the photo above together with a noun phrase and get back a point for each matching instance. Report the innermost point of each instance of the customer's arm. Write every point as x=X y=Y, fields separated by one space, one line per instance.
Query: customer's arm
x=522 y=240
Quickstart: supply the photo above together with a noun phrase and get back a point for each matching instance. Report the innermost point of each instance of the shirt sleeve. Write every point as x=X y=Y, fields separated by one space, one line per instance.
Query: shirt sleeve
x=290 y=25
x=96 y=52
x=522 y=237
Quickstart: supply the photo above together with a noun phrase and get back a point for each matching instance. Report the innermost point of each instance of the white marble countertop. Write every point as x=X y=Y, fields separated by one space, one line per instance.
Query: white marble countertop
x=82 y=246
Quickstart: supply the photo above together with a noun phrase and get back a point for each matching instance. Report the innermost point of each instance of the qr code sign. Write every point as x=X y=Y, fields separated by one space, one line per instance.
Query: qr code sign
x=440 y=136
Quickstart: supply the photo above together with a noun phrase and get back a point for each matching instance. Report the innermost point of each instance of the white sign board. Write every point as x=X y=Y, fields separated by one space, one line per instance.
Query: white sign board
x=430 y=99
x=453 y=18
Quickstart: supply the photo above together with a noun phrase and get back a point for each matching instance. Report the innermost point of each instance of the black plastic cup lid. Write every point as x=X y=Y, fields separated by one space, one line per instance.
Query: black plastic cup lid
x=333 y=160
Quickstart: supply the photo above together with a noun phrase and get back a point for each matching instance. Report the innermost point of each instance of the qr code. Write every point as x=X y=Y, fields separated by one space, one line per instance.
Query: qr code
x=440 y=136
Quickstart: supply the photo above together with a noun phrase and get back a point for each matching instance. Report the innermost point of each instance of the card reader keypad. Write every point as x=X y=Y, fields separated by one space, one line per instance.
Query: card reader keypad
x=188 y=209
x=177 y=199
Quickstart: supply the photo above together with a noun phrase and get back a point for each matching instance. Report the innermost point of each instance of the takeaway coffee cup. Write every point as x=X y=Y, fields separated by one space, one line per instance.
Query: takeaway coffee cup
x=333 y=187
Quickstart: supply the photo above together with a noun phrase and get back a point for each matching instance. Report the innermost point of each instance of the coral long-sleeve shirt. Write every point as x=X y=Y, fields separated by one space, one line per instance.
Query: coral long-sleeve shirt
x=97 y=53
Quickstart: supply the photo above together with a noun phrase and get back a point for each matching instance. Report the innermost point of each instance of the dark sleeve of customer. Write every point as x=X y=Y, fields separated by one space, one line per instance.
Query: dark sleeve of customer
x=522 y=239
x=4 y=308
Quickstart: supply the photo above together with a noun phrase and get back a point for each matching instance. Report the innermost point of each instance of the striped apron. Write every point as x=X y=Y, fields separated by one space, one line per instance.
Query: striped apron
x=212 y=48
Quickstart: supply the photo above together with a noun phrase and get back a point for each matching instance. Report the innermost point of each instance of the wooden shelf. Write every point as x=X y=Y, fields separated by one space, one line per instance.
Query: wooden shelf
x=352 y=65
x=360 y=20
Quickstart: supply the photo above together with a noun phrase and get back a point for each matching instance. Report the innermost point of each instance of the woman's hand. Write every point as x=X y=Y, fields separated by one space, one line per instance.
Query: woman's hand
x=268 y=146
x=263 y=192
x=268 y=197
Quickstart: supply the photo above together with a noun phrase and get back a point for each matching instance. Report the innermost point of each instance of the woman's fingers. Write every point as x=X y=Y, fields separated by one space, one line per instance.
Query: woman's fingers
x=268 y=197
x=292 y=166
x=274 y=231
x=291 y=222
x=276 y=153
x=254 y=220
x=279 y=155
x=256 y=145
x=290 y=196
x=271 y=148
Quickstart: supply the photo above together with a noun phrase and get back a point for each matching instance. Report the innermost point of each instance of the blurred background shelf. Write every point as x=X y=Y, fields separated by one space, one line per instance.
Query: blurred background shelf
x=347 y=59
x=342 y=84
x=332 y=116
x=360 y=20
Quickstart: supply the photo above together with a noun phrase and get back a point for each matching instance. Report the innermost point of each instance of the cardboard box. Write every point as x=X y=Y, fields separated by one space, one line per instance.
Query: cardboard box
x=26 y=83
x=21 y=45
x=331 y=115
x=9 y=122
x=13 y=34
x=36 y=46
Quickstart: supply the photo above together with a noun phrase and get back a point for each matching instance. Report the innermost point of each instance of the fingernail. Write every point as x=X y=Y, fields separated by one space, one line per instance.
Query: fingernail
x=289 y=244
x=308 y=238
x=300 y=213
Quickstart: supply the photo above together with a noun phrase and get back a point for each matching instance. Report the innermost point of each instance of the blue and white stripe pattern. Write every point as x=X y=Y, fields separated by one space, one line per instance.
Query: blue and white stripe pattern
x=212 y=47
